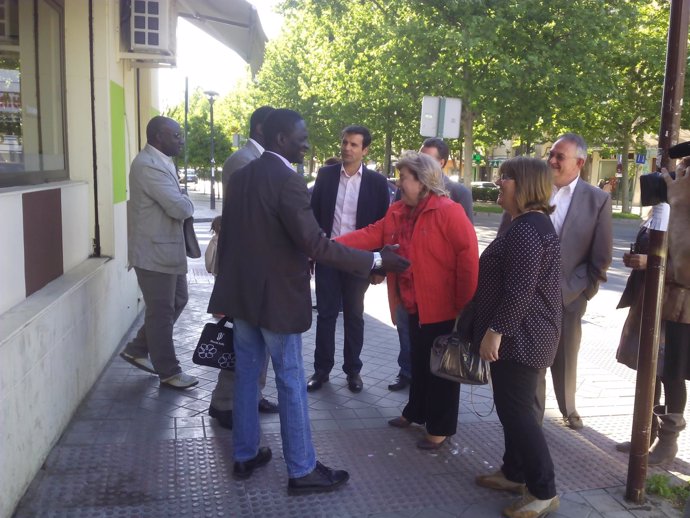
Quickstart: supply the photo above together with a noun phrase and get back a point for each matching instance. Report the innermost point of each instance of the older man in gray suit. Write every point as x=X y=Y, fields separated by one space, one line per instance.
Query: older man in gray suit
x=156 y=211
x=583 y=221
x=220 y=407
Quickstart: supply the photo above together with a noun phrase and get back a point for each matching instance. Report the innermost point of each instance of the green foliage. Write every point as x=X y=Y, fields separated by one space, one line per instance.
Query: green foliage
x=660 y=485
x=199 y=132
x=484 y=194
x=525 y=70
x=487 y=207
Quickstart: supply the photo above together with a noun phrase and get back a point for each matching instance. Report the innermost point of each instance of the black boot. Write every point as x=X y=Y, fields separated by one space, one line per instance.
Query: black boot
x=666 y=447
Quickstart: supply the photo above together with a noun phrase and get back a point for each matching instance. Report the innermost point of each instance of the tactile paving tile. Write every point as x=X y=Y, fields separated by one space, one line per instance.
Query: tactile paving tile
x=193 y=477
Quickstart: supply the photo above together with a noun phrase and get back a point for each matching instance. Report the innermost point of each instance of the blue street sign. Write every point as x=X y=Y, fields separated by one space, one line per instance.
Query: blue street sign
x=640 y=158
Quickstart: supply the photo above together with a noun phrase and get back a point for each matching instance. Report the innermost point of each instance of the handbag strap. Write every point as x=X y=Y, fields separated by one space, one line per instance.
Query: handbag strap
x=223 y=322
x=493 y=401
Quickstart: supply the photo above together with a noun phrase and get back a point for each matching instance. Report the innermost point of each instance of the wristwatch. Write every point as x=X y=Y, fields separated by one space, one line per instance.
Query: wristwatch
x=378 y=262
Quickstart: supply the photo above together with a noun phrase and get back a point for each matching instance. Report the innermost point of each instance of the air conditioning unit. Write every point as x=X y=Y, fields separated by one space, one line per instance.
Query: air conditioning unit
x=9 y=22
x=152 y=27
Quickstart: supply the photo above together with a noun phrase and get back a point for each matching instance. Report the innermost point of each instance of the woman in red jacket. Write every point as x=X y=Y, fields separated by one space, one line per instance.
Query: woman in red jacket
x=435 y=235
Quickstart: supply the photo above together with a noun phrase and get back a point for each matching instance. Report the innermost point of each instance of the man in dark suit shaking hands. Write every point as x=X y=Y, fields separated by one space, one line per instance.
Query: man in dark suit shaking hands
x=269 y=233
x=346 y=197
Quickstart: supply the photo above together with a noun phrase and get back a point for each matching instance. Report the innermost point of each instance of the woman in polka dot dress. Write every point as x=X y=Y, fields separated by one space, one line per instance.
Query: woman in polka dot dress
x=518 y=318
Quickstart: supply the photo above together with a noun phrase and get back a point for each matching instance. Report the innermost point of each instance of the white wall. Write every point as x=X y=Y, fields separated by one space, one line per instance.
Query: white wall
x=55 y=343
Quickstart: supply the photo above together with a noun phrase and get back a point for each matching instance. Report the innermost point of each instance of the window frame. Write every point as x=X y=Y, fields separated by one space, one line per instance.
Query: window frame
x=25 y=178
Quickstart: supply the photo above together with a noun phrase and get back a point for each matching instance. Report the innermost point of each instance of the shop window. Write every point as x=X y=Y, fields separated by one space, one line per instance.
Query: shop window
x=32 y=119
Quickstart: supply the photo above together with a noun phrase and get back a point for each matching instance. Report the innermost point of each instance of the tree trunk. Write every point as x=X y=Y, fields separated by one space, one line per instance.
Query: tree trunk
x=468 y=145
x=387 y=152
x=625 y=197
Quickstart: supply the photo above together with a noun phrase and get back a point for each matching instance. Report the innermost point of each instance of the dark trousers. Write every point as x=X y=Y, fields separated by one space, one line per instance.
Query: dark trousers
x=336 y=289
x=526 y=458
x=433 y=401
x=165 y=296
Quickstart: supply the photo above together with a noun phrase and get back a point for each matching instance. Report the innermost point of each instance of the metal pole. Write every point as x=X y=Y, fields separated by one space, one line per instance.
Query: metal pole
x=213 y=160
x=674 y=80
x=441 y=118
x=646 y=366
x=671 y=102
x=211 y=98
x=186 y=128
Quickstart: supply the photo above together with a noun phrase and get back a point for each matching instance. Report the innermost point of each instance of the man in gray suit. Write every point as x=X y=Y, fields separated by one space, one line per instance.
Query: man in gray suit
x=221 y=398
x=265 y=288
x=251 y=150
x=583 y=221
x=156 y=250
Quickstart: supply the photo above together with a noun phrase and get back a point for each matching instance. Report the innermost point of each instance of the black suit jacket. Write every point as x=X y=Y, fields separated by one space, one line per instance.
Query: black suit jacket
x=268 y=232
x=372 y=203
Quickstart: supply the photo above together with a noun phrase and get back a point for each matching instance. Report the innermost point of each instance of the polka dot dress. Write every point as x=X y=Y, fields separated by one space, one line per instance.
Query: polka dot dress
x=519 y=291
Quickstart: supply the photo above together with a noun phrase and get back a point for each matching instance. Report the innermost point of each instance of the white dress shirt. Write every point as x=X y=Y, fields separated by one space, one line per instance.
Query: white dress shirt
x=345 y=215
x=562 y=198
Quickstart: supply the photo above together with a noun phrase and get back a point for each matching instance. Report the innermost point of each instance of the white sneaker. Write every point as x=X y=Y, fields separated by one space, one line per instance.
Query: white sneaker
x=529 y=506
x=180 y=381
x=140 y=363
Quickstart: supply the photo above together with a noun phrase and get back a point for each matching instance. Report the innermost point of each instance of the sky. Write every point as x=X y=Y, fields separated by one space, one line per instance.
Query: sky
x=206 y=62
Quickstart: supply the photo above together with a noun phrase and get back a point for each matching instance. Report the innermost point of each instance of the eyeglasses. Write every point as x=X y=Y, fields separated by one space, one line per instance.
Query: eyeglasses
x=505 y=177
x=560 y=157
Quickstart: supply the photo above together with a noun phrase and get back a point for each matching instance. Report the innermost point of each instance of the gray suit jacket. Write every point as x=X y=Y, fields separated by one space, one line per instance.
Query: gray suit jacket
x=460 y=194
x=269 y=233
x=155 y=212
x=586 y=242
x=237 y=160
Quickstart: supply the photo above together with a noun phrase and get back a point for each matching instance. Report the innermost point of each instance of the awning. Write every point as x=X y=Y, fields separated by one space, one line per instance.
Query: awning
x=234 y=23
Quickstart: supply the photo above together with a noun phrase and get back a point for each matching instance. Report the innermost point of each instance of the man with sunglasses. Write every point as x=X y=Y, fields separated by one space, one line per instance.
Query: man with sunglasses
x=583 y=222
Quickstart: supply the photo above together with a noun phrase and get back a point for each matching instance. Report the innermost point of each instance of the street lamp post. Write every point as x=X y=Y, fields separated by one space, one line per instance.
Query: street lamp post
x=211 y=98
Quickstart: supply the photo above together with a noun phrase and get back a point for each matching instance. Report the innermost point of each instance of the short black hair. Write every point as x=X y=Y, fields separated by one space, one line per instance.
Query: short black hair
x=154 y=127
x=440 y=145
x=358 y=130
x=281 y=120
x=258 y=117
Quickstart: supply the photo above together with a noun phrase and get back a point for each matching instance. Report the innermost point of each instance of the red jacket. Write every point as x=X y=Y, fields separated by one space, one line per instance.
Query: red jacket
x=444 y=257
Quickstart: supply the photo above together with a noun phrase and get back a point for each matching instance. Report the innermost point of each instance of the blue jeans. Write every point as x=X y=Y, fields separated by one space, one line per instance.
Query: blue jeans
x=402 y=318
x=251 y=344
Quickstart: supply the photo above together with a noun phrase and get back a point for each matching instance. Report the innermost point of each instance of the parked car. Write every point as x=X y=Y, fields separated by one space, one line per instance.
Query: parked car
x=191 y=176
x=484 y=185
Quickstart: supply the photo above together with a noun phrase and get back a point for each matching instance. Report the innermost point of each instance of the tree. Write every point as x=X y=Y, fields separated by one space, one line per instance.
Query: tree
x=199 y=133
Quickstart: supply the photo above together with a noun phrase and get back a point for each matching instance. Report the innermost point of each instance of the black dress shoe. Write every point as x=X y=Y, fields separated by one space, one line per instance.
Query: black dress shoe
x=354 y=382
x=243 y=470
x=316 y=381
x=224 y=417
x=267 y=407
x=400 y=383
x=320 y=480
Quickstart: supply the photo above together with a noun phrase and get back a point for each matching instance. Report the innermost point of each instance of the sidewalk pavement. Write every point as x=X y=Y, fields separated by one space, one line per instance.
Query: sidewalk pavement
x=135 y=449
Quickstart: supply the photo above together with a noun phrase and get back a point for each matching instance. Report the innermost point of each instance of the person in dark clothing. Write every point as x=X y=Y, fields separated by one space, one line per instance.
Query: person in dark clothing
x=518 y=324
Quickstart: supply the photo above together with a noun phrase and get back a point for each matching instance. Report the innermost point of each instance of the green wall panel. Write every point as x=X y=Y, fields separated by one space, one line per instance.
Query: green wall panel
x=117 y=134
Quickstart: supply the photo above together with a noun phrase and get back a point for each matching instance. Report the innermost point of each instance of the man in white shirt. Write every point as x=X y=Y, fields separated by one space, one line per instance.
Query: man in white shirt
x=156 y=211
x=346 y=197
x=583 y=221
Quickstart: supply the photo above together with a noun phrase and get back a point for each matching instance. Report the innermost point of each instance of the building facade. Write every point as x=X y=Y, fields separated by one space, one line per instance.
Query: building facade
x=75 y=97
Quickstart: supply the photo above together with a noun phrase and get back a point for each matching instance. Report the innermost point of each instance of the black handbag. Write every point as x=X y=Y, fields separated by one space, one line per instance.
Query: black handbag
x=454 y=358
x=191 y=244
x=215 y=348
